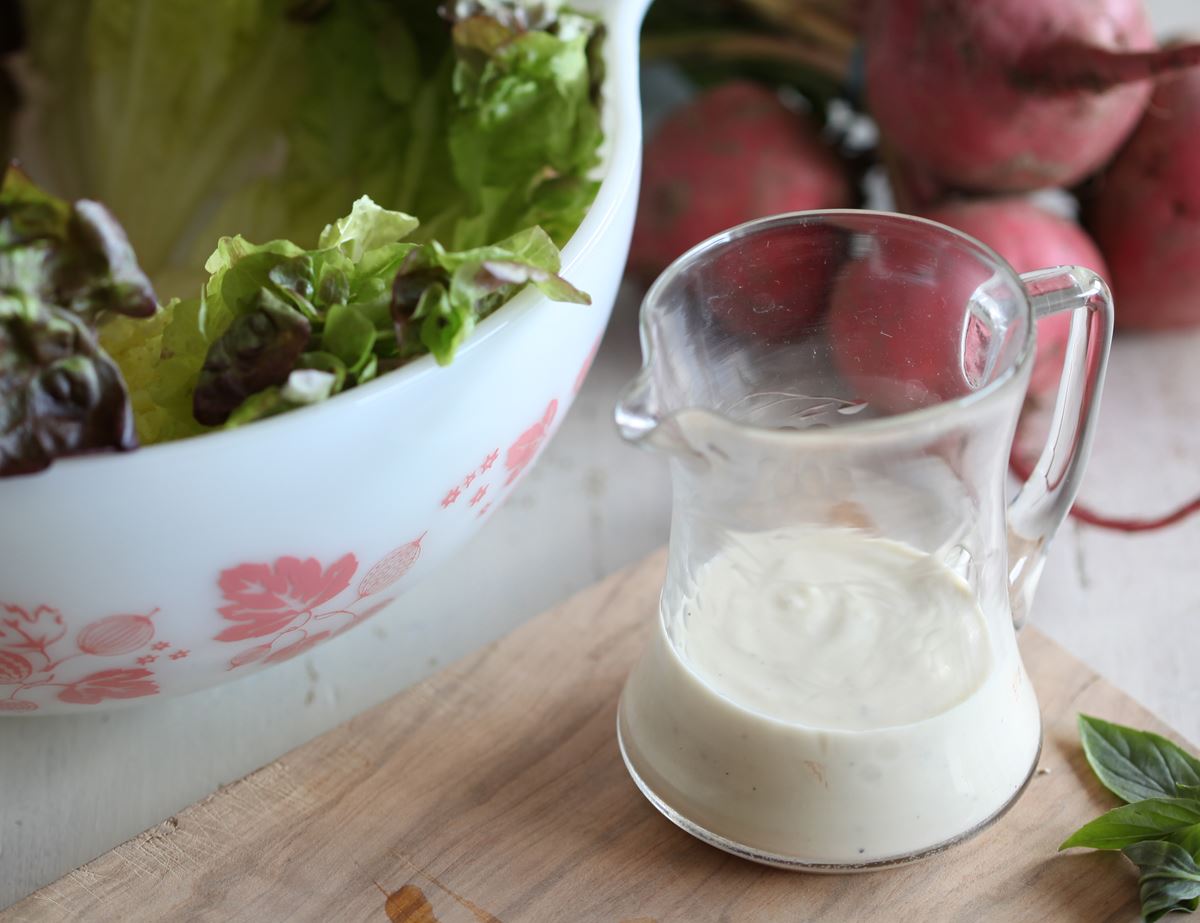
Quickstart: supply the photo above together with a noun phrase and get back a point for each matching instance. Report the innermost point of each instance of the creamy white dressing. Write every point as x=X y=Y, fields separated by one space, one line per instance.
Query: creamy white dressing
x=830 y=629
x=828 y=697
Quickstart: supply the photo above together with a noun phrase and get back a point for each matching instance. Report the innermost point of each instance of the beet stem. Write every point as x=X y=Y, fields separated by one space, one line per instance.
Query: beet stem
x=1023 y=469
x=1070 y=66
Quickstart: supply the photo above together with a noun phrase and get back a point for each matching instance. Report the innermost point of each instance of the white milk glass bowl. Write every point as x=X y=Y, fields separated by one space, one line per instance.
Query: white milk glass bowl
x=179 y=566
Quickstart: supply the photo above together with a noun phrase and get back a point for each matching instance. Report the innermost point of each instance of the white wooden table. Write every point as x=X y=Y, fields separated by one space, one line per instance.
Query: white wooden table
x=73 y=787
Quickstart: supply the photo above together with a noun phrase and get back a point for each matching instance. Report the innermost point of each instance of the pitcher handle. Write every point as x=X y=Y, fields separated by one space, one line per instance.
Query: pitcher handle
x=1045 y=498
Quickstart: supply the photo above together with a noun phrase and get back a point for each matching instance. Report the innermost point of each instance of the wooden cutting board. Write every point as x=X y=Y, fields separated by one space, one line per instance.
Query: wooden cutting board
x=494 y=793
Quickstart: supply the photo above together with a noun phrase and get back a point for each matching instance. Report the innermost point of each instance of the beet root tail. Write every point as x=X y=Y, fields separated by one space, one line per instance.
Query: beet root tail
x=1073 y=67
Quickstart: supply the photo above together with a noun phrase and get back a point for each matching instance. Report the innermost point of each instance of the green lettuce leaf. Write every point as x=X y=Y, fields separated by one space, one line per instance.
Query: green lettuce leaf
x=526 y=118
x=158 y=109
x=259 y=120
x=358 y=304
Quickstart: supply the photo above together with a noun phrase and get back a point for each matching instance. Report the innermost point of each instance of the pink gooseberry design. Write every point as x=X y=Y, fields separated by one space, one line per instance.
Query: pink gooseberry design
x=391 y=567
x=14 y=668
x=37 y=659
x=115 y=635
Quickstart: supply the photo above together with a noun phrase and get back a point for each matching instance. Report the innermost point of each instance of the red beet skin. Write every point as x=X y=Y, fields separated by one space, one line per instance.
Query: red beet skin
x=732 y=154
x=1146 y=216
x=974 y=91
x=776 y=284
x=898 y=323
x=1029 y=238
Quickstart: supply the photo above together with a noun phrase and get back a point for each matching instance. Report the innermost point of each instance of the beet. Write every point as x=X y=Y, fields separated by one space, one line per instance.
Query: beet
x=1010 y=95
x=776 y=284
x=732 y=154
x=1146 y=213
x=1029 y=238
x=898 y=324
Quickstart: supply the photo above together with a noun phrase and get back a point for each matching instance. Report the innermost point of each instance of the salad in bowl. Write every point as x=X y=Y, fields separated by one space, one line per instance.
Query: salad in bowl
x=292 y=293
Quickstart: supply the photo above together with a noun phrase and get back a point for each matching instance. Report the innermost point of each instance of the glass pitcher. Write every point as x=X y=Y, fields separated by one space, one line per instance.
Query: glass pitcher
x=834 y=681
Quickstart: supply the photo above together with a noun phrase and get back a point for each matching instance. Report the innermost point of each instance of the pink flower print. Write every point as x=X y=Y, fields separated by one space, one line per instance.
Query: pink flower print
x=160 y=645
x=468 y=479
x=479 y=495
x=14 y=669
x=391 y=567
x=483 y=510
x=525 y=449
x=298 y=648
x=489 y=461
x=114 y=635
x=109 y=684
x=17 y=705
x=147 y=660
x=266 y=599
x=32 y=631
x=451 y=496
x=180 y=654
x=250 y=655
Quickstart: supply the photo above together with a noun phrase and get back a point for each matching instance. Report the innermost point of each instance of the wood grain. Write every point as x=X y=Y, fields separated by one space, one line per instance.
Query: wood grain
x=494 y=792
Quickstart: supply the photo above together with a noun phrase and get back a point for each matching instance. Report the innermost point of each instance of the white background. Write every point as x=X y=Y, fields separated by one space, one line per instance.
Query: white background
x=73 y=787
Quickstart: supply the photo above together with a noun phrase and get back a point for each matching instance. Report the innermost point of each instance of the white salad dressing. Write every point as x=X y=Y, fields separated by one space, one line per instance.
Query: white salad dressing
x=829 y=697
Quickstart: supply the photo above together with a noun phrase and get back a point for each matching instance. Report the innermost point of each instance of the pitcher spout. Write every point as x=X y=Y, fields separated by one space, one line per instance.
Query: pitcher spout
x=637 y=411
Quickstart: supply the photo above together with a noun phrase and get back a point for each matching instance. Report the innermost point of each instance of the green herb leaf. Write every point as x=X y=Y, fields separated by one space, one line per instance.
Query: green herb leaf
x=1170 y=878
x=1188 y=838
x=1135 y=764
x=1150 y=819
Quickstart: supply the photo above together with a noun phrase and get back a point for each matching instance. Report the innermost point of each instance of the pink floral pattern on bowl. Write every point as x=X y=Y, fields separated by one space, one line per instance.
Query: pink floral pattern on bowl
x=477 y=488
x=286 y=607
x=525 y=449
x=286 y=602
x=37 y=661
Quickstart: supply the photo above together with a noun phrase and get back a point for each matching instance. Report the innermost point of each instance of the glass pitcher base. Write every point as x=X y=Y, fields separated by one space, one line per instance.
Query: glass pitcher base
x=799 y=864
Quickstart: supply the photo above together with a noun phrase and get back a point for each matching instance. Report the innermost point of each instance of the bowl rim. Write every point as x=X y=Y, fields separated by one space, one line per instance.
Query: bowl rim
x=620 y=157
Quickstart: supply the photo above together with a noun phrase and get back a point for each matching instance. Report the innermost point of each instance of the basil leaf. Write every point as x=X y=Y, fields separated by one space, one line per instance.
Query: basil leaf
x=1189 y=791
x=1150 y=819
x=1134 y=764
x=1170 y=878
x=1188 y=838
